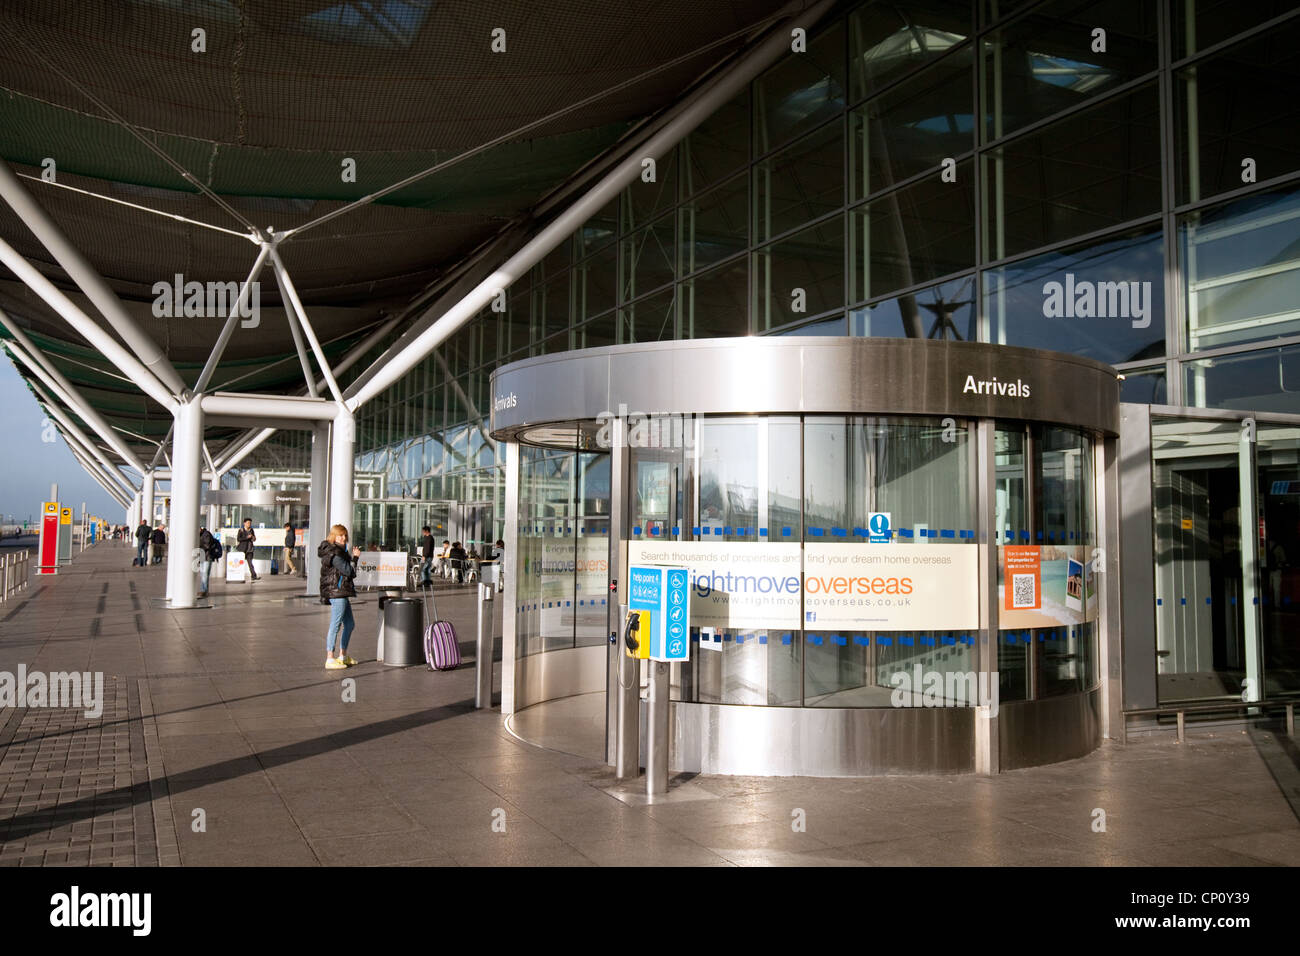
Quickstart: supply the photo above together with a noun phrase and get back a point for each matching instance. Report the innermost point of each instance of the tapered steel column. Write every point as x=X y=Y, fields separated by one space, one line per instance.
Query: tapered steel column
x=183 y=533
x=318 y=520
x=342 y=443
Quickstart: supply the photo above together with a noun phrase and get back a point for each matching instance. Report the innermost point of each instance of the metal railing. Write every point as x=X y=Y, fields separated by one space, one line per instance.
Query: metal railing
x=15 y=572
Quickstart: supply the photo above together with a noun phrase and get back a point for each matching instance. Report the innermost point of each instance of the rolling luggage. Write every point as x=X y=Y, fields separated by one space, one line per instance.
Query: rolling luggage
x=441 y=649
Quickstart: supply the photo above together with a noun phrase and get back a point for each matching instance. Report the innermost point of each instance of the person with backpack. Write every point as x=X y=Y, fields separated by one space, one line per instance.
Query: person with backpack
x=337 y=572
x=209 y=550
x=459 y=561
x=142 y=544
x=159 y=538
x=244 y=542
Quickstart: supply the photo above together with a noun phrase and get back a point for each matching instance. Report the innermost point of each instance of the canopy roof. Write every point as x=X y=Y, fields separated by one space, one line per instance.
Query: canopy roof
x=250 y=124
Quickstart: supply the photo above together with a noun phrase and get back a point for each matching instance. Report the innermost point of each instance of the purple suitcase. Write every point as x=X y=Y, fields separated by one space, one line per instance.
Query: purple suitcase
x=441 y=649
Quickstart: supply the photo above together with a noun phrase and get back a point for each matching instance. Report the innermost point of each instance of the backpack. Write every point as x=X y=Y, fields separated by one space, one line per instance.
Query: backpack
x=215 y=550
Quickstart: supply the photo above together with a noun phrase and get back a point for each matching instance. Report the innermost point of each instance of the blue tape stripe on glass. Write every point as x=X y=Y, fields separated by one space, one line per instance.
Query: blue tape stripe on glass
x=1011 y=535
x=581 y=530
x=839 y=532
x=762 y=638
x=840 y=639
x=905 y=532
x=1011 y=637
x=859 y=532
x=695 y=530
x=568 y=603
x=1207 y=600
x=762 y=532
x=677 y=530
x=636 y=529
x=1159 y=601
x=906 y=641
x=862 y=641
x=727 y=530
x=948 y=640
x=1256 y=600
x=726 y=637
x=785 y=532
x=602 y=600
x=1234 y=602
x=695 y=638
x=816 y=532
x=928 y=641
x=718 y=531
x=885 y=641
x=654 y=531
x=717 y=638
x=1041 y=638
x=1040 y=535
x=1182 y=601
x=786 y=638
x=816 y=639
x=946 y=533
x=740 y=638
x=1024 y=535
x=1071 y=535
x=581 y=603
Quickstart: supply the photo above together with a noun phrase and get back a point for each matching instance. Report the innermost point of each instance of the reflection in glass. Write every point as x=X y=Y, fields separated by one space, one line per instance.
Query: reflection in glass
x=912 y=127
x=1236 y=104
x=944 y=311
x=1048 y=61
x=1265 y=381
x=1104 y=300
x=715 y=226
x=716 y=303
x=800 y=276
x=1240 y=264
x=912 y=235
x=1040 y=189
x=1144 y=388
x=800 y=92
x=1278 y=493
x=888 y=40
x=801 y=182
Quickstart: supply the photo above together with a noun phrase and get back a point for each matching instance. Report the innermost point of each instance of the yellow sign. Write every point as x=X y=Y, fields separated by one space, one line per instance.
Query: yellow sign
x=65 y=516
x=1187 y=524
x=50 y=508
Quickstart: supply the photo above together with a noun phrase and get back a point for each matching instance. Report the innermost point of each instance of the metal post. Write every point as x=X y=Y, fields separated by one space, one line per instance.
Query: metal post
x=483 y=661
x=987 y=748
x=342 y=442
x=187 y=470
x=318 y=516
x=657 y=734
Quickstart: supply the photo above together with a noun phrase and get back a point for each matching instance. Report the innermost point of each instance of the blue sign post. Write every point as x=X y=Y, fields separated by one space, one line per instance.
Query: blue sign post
x=664 y=592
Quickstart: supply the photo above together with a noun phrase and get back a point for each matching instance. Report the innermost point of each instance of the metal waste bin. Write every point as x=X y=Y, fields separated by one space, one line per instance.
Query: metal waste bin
x=403 y=632
x=387 y=595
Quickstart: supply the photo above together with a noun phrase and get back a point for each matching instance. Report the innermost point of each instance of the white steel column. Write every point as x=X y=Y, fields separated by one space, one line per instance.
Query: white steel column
x=146 y=503
x=319 y=504
x=214 y=510
x=83 y=273
x=342 y=443
x=183 y=533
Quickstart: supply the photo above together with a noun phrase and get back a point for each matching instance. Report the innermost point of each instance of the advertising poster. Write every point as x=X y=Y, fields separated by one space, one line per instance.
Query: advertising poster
x=732 y=584
x=1050 y=585
x=875 y=587
x=381 y=569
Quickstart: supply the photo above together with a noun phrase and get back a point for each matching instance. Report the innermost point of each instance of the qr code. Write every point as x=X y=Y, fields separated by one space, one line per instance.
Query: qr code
x=1023 y=591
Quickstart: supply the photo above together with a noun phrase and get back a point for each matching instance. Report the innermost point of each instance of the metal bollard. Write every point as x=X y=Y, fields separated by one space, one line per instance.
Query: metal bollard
x=483 y=654
x=657 y=743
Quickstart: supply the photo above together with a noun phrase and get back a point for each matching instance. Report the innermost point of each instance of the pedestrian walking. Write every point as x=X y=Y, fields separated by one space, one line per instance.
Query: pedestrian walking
x=290 y=546
x=338 y=569
x=159 y=539
x=209 y=551
x=142 y=544
x=244 y=542
x=426 y=552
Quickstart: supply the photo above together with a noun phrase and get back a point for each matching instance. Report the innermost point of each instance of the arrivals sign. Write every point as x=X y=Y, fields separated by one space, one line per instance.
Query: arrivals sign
x=824 y=586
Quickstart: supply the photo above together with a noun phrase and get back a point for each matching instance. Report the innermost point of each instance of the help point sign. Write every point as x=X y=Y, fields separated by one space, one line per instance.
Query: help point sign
x=665 y=593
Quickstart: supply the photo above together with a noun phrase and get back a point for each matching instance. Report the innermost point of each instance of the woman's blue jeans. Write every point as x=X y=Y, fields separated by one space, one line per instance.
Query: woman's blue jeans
x=340 y=613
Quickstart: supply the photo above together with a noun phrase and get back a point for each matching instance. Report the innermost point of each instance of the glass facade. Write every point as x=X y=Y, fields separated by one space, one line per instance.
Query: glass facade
x=1118 y=180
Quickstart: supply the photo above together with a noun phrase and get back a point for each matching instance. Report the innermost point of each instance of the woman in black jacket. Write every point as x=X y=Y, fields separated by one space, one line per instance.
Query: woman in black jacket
x=337 y=570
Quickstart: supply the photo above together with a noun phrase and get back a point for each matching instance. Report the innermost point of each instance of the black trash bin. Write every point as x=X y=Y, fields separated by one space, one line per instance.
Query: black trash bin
x=403 y=632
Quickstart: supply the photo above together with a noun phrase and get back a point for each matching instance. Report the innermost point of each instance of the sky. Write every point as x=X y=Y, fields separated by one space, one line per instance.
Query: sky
x=29 y=464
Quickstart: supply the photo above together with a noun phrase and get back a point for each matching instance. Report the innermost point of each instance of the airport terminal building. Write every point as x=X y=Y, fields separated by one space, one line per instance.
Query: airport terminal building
x=946 y=337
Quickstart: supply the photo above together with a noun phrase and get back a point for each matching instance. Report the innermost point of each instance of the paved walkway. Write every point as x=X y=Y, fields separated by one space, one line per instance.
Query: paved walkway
x=224 y=741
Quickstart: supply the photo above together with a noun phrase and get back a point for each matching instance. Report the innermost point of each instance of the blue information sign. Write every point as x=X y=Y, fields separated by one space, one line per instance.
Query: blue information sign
x=665 y=593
